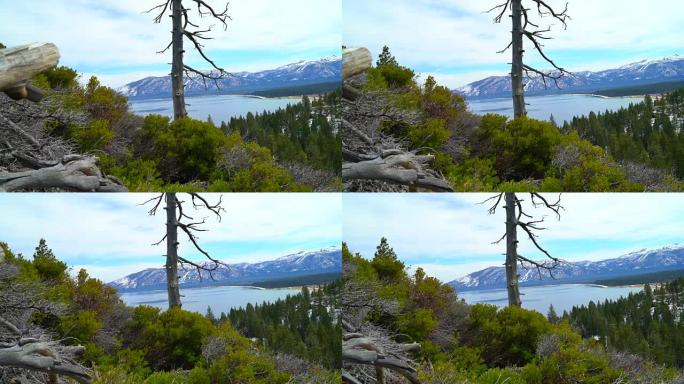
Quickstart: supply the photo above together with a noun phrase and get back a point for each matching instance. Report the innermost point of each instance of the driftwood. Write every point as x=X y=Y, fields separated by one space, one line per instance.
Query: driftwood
x=34 y=355
x=358 y=349
x=73 y=173
x=372 y=161
x=21 y=63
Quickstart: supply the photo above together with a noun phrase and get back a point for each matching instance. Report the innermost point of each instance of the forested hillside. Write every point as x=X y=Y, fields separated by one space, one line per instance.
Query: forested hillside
x=54 y=327
x=648 y=132
x=648 y=323
x=405 y=326
x=305 y=325
x=155 y=153
x=491 y=152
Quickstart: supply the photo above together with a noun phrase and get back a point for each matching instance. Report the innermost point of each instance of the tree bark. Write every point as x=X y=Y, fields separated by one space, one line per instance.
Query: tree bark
x=172 y=251
x=512 y=250
x=21 y=63
x=355 y=61
x=517 y=60
x=177 y=86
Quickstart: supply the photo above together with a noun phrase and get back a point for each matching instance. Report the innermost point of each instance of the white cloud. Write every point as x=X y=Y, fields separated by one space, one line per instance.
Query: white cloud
x=103 y=34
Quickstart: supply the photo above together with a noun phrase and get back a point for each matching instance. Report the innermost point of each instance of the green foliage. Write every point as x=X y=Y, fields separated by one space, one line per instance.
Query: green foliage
x=81 y=326
x=385 y=262
x=300 y=133
x=171 y=339
x=61 y=78
x=386 y=58
x=509 y=335
x=96 y=134
x=300 y=325
x=417 y=324
x=431 y=133
x=184 y=150
x=522 y=148
x=46 y=264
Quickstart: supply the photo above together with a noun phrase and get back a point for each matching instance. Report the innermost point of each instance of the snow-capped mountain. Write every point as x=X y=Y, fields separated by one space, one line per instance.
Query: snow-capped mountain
x=642 y=261
x=325 y=70
x=641 y=72
x=305 y=263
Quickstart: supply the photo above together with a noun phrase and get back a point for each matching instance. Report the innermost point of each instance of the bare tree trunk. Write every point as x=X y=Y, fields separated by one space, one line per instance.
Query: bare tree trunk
x=517 y=63
x=512 y=251
x=177 y=85
x=172 y=251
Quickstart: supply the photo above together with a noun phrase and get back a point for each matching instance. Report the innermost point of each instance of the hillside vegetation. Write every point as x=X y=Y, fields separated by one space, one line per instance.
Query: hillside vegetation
x=492 y=152
x=295 y=149
x=125 y=345
x=474 y=344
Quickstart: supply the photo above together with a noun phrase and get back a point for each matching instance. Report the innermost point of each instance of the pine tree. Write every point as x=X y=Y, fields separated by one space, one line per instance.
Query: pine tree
x=552 y=316
x=386 y=58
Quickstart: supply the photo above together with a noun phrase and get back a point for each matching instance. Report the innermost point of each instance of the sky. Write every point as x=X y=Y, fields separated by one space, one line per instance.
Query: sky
x=117 y=41
x=111 y=235
x=451 y=235
x=457 y=42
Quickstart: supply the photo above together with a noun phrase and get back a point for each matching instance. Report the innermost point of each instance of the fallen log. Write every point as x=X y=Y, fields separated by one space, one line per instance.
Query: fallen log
x=355 y=61
x=19 y=64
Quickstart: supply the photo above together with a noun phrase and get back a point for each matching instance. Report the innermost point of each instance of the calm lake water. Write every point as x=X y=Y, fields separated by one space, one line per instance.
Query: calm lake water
x=563 y=297
x=563 y=107
x=219 y=107
x=221 y=299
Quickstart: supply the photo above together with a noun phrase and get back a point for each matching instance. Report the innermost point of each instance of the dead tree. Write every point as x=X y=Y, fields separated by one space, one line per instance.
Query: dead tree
x=521 y=22
x=174 y=221
x=27 y=353
x=371 y=160
x=180 y=23
x=515 y=218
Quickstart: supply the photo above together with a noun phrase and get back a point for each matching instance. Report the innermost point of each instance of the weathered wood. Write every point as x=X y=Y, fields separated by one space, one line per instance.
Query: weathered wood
x=405 y=168
x=21 y=63
x=76 y=173
x=355 y=61
x=40 y=356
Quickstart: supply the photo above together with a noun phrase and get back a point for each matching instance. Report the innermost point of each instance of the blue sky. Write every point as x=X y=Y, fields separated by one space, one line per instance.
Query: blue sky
x=111 y=234
x=458 y=43
x=451 y=235
x=117 y=41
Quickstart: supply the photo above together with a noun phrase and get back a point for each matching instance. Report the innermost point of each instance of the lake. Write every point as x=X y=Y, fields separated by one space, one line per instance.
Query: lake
x=563 y=296
x=219 y=107
x=221 y=299
x=563 y=107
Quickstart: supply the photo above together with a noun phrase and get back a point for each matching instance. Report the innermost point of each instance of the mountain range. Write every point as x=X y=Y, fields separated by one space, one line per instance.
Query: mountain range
x=304 y=263
x=325 y=70
x=638 y=73
x=635 y=263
